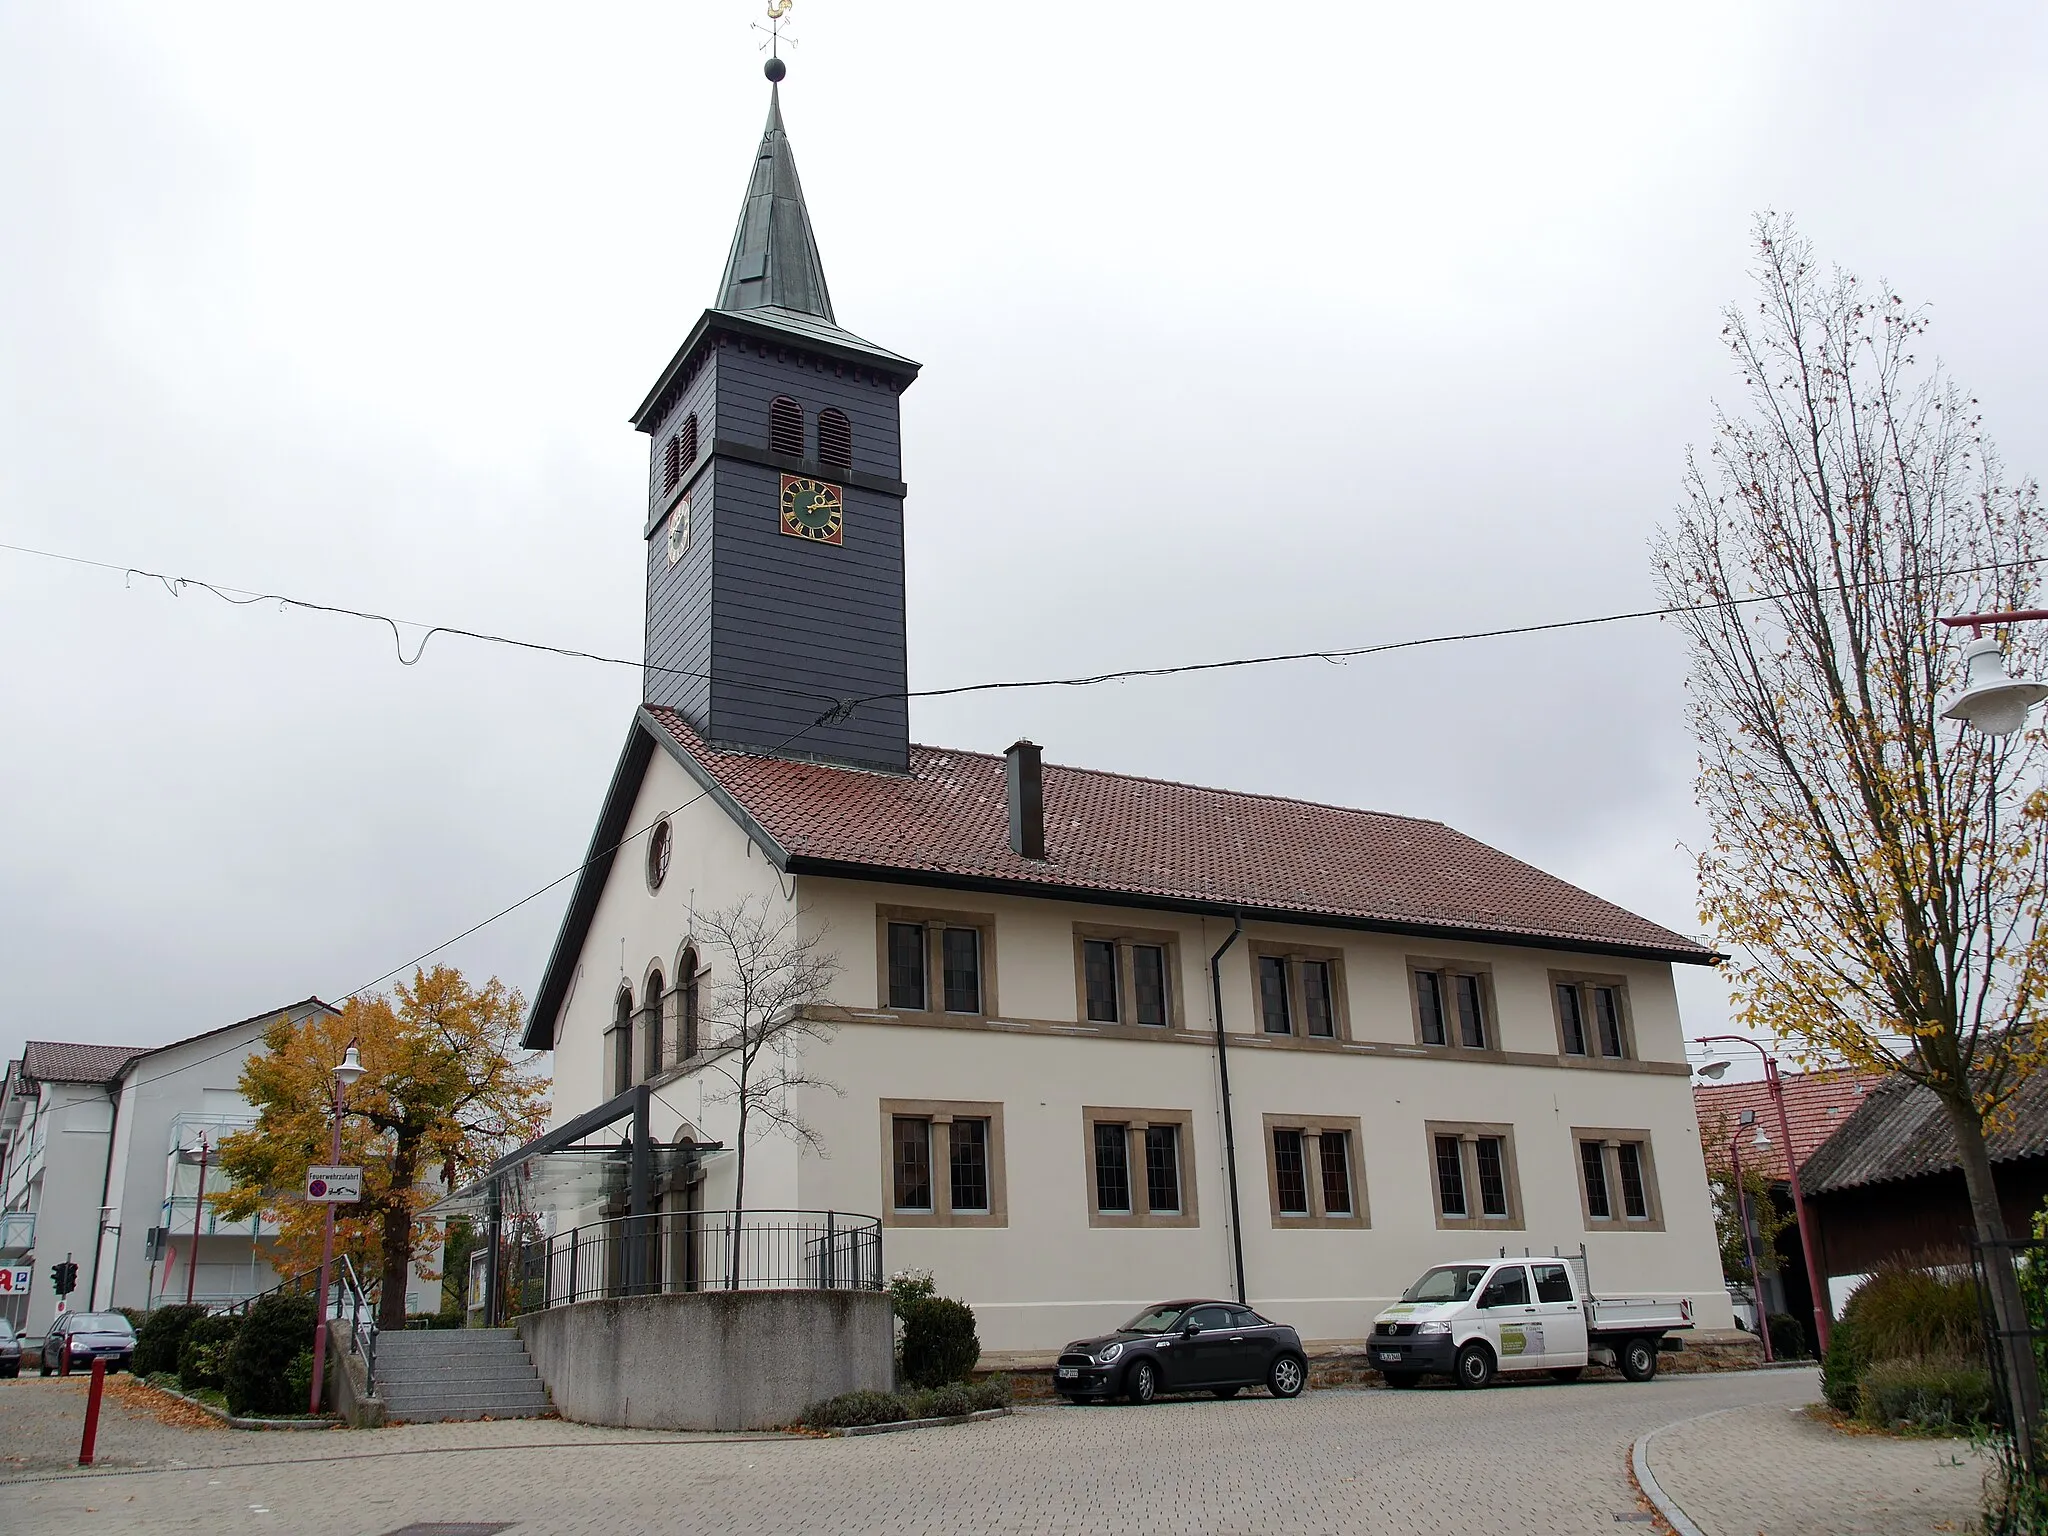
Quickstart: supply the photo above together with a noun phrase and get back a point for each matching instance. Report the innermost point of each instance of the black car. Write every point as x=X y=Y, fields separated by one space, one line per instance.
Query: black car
x=1184 y=1346
x=10 y=1349
x=92 y=1336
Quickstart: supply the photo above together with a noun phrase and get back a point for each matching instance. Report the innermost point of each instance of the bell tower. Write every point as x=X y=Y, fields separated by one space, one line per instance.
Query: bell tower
x=774 y=529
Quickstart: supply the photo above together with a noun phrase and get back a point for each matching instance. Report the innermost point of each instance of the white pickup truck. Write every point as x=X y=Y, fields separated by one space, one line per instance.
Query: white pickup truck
x=1469 y=1321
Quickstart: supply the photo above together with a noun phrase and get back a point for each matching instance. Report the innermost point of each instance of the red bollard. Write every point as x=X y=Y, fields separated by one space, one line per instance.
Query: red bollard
x=92 y=1412
x=64 y=1358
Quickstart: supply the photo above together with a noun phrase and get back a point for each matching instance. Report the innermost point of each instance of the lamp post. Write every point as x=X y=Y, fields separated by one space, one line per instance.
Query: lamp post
x=1713 y=1070
x=345 y=1075
x=198 y=1206
x=1756 y=1278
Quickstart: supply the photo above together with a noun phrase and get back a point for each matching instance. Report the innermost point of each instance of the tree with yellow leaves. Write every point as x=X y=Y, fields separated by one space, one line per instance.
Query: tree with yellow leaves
x=1877 y=872
x=445 y=1091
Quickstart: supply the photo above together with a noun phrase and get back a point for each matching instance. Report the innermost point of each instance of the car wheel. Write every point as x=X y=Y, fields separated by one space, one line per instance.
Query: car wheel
x=1401 y=1378
x=1639 y=1359
x=1141 y=1382
x=1567 y=1373
x=1287 y=1376
x=1475 y=1366
x=43 y=1366
x=1224 y=1391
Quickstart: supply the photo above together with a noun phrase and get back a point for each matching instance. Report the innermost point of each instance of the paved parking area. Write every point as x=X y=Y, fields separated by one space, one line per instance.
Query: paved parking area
x=1542 y=1458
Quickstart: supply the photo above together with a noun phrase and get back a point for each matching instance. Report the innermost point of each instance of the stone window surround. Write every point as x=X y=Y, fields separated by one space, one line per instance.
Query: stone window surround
x=1609 y=1138
x=942 y=1113
x=1468 y=1133
x=1297 y=1012
x=1489 y=1009
x=1585 y=981
x=1136 y=1121
x=1126 y=982
x=1311 y=1128
x=935 y=920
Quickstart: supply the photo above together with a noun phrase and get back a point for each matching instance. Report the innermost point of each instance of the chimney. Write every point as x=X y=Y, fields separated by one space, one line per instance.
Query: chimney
x=1027 y=801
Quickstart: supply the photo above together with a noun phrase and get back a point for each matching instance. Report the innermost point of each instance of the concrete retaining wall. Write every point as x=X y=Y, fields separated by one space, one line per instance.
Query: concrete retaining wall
x=710 y=1359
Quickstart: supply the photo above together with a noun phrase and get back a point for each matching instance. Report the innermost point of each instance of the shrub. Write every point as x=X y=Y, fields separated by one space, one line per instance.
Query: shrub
x=1788 y=1337
x=1842 y=1371
x=1903 y=1312
x=203 y=1357
x=851 y=1408
x=947 y=1402
x=160 y=1337
x=415 y=1321
x=907 y=1287
x=298 y=1377
x=992 y=1393
x=939 y=1341
x=1944 y=1393
x=278 y=1327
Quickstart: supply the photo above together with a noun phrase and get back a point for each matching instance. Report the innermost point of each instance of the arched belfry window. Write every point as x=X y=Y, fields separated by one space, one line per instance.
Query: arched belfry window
x=835 y=439
x=622 y=1041
x=688 y=436
x=686 y=1005
x=650 y=1022
x=786 y=426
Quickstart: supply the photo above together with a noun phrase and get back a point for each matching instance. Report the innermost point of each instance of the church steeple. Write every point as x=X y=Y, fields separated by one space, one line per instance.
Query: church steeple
x=774 y=262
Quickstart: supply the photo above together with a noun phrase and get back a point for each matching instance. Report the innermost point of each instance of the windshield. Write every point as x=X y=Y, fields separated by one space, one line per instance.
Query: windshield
x=100 y=1322
x=1154 y=1320
x=1447 y=1282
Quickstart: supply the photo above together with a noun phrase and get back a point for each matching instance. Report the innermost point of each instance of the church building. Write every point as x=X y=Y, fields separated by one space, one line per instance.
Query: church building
x=1097 y=1040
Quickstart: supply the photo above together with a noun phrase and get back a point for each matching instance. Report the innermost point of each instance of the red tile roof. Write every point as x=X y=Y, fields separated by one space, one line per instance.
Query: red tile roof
x=1817 y=1104
x=1172 y=843
x=48 y=1061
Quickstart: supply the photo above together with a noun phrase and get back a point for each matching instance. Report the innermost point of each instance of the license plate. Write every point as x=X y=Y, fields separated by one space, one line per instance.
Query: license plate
x=1390 y=1354
x=1066 y=1371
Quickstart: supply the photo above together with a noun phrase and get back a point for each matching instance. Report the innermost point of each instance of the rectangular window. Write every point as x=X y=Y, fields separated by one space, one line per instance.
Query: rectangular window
x=1290 y=1174
x=960 y=950
x=970 y=1165
x=1493 y=1176
x=1552 y=1283
x=1336 y=1160
x=1471 y=1021
x=1162 y=1169
x=1593 y=1164
x=1316 y=1005
x=1098 y=962
x=1148 y=982
x=1635 y=1201
x=1450 y=1176
x=1507 y=1288
x=1112 y=1168
x=913 y=1140
x=906 y=966
x=1273 y=1010
x=1572 y=1020
x=1429 y=997
x=1607 y=1017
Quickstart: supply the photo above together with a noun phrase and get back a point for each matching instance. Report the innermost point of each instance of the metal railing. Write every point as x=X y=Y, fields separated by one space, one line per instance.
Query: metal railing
x=355 y=1305
x=675 y=1251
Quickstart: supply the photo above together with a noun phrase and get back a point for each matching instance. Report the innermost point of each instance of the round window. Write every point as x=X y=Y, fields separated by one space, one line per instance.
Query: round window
x=658 y=843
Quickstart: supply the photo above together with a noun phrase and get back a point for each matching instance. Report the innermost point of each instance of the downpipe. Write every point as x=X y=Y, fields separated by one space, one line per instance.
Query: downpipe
x=1223 y=1078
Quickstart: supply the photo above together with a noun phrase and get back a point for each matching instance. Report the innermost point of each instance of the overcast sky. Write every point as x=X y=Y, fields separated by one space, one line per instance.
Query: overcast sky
x=1243 y=330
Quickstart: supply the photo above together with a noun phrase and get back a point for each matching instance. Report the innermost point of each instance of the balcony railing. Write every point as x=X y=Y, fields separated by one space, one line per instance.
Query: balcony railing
x=17 y=1233
x=675 y=1251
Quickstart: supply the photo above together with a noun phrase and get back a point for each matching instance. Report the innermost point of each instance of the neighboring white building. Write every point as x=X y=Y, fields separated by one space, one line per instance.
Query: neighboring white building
x=1433 y=1050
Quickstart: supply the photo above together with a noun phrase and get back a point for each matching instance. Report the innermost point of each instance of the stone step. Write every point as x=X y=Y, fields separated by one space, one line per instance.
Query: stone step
x=467 y=1373
x=457 y=1415
x=459 y=1381
x=475 y=1402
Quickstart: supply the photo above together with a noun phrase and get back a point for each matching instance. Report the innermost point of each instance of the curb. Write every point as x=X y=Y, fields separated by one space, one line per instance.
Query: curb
x=1639 y=1464
x=234 y=1423
x=901 y=1424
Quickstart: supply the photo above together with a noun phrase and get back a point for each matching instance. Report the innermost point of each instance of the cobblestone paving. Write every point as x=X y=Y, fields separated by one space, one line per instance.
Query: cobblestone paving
x=1540 y=1459
x=1799 y=1477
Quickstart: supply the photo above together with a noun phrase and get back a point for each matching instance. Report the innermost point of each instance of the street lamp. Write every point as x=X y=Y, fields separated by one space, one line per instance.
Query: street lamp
x=1712 y=1071
x=1756 y=1278
x=1992 y=701
x=345 y=1077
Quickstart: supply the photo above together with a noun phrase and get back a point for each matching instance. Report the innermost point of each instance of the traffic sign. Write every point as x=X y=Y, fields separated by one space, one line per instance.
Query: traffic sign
x=15 y=1281
x=334 y=1186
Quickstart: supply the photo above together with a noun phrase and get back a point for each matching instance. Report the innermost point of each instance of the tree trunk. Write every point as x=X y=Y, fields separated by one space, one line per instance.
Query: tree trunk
x=397 y=1240
x=2015 y=1346
x=739 y=1195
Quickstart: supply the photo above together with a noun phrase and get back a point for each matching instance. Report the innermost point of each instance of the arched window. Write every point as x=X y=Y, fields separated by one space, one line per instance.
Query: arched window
x=686 y=986
x=689 y=437
x=622 y=1041
x=835 y=439
x=671 y=463
x=786 y=426
x=650 y=1021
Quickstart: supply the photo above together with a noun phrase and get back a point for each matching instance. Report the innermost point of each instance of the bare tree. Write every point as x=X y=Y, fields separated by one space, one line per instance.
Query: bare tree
x=768 y=974
x=1877 y=871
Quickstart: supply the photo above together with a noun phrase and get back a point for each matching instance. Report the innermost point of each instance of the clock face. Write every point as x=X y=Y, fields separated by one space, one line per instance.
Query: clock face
x=813 y=509
x=679 y=530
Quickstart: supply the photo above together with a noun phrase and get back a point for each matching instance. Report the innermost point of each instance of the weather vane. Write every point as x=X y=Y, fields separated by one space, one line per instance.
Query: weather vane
x=775 y=69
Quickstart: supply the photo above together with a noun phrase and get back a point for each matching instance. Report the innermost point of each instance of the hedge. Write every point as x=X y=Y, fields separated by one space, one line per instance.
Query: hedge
x=1942 y=1394
x=279 y=1327
x=940 y=1344
x=203 y=1356
x=160 y=1337
x=950 y=1401
x=1901 y=1313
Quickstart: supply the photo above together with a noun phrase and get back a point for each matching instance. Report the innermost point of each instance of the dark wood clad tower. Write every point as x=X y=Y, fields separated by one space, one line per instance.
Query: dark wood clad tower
x=775 y=505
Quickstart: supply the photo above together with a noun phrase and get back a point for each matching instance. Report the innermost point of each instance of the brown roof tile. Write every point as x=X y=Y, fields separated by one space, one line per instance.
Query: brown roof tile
x=1173 y=843
x=1817 y=1104
x=50 y=1061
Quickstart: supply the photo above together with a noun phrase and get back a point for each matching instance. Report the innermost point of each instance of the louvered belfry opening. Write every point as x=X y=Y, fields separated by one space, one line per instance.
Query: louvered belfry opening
x=835 y=439
x=689 y=440
x=671 y=463
x=786 y=426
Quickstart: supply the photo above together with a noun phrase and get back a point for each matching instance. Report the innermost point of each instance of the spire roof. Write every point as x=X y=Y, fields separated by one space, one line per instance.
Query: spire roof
x=774 y=261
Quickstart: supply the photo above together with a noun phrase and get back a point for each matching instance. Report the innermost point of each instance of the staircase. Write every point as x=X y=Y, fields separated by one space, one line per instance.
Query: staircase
x=458 y=1373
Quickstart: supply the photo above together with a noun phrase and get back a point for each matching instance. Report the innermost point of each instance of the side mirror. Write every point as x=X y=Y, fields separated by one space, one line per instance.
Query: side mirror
x=1189 y=1330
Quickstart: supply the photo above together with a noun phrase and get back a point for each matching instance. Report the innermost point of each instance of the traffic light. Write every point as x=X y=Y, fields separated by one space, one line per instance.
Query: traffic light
x=64 y=1277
